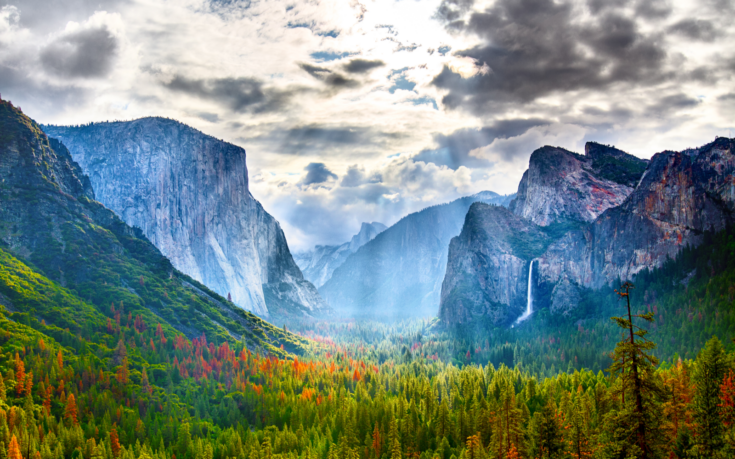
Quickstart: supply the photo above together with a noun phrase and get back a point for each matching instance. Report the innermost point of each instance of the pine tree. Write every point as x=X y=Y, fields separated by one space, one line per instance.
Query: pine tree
x=709 y=373
x=635 y=428
x=70 y=410
x=14 y=449
x=393 y=441
x=548 y=431
x=145 y=385
x=115 y=442
x=184 y=440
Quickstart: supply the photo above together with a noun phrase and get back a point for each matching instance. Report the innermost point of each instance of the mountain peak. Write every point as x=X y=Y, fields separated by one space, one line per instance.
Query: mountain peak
x=367 y=233
x=561 y=186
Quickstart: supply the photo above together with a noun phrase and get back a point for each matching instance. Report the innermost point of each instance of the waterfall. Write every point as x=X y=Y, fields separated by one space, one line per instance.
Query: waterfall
x=529 y=300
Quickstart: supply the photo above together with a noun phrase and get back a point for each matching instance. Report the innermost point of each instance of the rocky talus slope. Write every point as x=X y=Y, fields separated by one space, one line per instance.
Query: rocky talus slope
x=400 y=272
x=188 y=192
x=319 y=264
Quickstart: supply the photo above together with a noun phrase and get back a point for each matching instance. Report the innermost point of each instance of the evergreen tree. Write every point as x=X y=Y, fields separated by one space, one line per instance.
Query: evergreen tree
x=709 y=373
x=634 y=429
x=548 y=432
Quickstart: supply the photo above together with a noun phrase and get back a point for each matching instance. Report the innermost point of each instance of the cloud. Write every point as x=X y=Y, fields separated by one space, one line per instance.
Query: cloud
x=363 y=65
x=653 y=9
x=695 y=29
x=241 y=94
x=44 y=15
x=535 y=48
x=323 y=139
x=670 y=104
x=332 y=79
x=453 y=150
x=87 y=53
x=357 y=176
x=317 y=173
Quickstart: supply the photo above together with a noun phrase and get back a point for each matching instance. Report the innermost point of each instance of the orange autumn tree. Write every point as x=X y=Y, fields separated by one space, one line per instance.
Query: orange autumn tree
x=114 y=442
x=70 y=410
x=14 y=449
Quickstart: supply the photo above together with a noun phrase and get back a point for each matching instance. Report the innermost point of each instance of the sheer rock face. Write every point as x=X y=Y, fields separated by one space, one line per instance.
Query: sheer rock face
x=678 y=197
x=487 y=269
x=399 y=273
x=189 y=194
x=560 y=186
x=681 y=195
x=319 y=264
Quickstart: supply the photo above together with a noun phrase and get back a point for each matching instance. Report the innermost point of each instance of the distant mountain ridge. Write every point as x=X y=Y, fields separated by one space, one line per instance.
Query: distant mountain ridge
x=399 y=273
x=319 y=264
x=189 y=194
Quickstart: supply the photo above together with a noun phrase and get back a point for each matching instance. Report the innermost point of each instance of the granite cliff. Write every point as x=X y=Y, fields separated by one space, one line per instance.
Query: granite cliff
x=487 y=268
x=681 y=195
x=188 y=192
x=400 y=272
x=319 y=264
x=601 y=217
x=560 y=186
x=70 y=263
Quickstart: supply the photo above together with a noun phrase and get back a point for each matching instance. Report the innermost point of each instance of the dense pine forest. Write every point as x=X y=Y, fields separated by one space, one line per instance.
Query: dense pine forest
x=121 y=385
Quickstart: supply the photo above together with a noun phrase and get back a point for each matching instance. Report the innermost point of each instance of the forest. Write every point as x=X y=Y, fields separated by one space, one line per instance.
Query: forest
x=657 y=383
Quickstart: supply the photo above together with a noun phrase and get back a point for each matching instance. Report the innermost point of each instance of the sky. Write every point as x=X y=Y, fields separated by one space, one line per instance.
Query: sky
x=367 y=110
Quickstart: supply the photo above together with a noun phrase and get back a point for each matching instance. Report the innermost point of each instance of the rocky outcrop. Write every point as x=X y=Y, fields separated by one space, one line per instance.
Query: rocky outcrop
x=319 y=264
x=188 y=192
x=487 y=269
x=560 y=186
x=681 y=195
x=400 y=272
x=678 y=197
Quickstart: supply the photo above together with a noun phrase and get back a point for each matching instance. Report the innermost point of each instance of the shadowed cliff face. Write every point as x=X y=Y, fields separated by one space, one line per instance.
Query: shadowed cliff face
x=560 y=186
x=487 y=268
x=189 y=194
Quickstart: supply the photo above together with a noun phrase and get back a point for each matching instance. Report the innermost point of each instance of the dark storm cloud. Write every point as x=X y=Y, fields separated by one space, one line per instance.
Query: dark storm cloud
x=86 y=54
x=332 y=79
x=239 y=94
x=47 y=99
x=667 y=105
x=596 y=6
x=362 y=65
x=695 y=29
x=311 y=139
x=45 y=15
x=653 y=9
x=453 y=150
x=317 y=173
x=537 y=47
